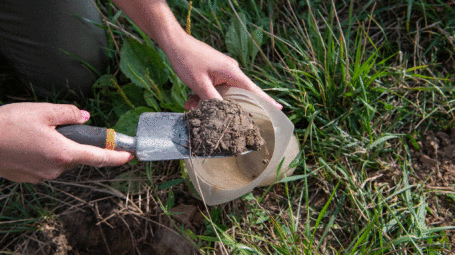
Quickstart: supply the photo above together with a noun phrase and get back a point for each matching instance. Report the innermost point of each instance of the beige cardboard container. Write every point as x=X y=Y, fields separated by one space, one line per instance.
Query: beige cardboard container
x=220 y=180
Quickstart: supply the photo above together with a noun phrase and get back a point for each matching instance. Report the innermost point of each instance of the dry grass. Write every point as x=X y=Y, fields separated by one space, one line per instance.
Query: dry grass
x=357 y=187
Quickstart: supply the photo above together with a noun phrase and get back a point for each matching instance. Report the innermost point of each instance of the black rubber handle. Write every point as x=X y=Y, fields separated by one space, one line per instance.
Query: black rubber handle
x=84 y=134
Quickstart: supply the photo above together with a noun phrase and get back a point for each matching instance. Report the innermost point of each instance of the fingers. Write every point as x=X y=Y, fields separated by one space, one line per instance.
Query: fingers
x=64 y=114
x=205 y=89
x=79 y=154
x=242 y=81
x=85 y=115
x=193 y=101
x=97 y=157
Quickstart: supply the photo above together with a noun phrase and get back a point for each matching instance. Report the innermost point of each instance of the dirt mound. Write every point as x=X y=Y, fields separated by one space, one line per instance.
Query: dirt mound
x=222 y=128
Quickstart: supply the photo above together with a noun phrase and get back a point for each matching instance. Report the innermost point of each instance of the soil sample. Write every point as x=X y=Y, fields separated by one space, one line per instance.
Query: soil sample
x=222 y=128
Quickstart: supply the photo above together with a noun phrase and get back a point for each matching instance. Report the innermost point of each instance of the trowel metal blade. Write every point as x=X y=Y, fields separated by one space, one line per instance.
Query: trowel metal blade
x=161 y=136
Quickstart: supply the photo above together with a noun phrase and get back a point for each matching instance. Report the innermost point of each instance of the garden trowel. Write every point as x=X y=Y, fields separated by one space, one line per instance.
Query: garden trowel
x=159 y=136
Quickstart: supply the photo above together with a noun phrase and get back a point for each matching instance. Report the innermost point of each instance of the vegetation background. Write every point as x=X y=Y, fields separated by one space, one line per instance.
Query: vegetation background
x=365 y=84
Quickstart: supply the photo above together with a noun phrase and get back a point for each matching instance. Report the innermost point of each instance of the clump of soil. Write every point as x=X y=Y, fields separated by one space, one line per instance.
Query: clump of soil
x=222 y=127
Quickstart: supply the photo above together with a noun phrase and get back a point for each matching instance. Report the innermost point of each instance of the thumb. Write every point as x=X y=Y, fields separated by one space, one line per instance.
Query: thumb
x=64 y=114
x=193 y=101
x=203 y=91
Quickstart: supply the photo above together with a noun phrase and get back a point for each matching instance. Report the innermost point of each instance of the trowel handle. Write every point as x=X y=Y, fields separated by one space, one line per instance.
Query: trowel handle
x=99 y=137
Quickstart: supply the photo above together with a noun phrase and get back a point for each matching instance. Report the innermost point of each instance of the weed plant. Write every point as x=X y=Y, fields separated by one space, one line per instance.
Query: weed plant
x=361 y=81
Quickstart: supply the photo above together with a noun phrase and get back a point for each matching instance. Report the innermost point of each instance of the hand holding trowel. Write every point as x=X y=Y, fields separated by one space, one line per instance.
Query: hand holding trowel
x=159 y=136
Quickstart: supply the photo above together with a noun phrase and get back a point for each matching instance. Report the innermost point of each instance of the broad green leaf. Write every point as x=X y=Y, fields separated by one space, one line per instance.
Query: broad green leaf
x=252 y=48
x=127 y=98
x=179 y=92
x=119 y=106
x=237 y=38
x=172 y=106
x=261 y=217
x=233 y=42
x=138 y=60
x=170 y=103
x=127 y=123
x=134 y=94
x=105 y=81
x=149 y=97
x=248 y=196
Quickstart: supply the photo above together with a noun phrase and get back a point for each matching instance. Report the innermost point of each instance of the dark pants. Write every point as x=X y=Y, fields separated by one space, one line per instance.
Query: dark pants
x=50 y=43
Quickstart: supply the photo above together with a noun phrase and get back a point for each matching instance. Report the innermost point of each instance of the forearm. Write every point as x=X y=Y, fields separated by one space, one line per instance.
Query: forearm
x=156 y=19
x=197 y=64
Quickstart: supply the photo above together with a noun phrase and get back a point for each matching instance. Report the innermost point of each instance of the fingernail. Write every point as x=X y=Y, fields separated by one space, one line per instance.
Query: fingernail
x=130 y=158
x=85 y=115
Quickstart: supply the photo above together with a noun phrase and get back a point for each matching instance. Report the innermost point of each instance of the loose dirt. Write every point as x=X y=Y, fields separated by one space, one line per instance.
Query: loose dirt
x=96 y=219
x=434 y=167
x=222 y=128
x=435 y=162
x=107 y=230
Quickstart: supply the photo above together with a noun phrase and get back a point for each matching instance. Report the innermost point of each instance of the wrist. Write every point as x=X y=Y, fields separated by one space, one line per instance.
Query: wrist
x=156 y=19
x=172 y=40
x=160 y=24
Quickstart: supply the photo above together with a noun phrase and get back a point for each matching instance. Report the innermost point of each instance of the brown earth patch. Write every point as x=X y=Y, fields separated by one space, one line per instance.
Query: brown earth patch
x=106 y=230
x=222 y=128
x=434 y=166
x=96 y=219
x=435 y=161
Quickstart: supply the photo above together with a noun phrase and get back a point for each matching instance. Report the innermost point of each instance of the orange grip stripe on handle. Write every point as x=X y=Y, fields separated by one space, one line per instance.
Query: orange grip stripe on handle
x=110 y=139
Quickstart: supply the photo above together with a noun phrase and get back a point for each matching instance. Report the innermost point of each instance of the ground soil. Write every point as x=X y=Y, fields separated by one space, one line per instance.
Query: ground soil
x=435 y=161
x=97 y=222
x=222 y=128
x=106 y=230
x=434 y=167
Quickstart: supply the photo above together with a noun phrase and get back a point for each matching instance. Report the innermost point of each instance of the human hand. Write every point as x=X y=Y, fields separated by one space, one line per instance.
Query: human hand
x=32 y=150
x=202 y=68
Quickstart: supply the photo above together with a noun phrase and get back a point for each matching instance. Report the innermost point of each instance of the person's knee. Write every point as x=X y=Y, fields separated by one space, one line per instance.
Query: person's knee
x=56 y=48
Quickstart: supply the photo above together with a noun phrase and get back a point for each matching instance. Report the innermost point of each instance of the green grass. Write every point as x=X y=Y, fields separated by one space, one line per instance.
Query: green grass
x=360 y=81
